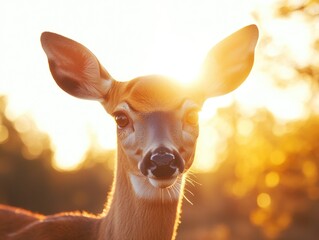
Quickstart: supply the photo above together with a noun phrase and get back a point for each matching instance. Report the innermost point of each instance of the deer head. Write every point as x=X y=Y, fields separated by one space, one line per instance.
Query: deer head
x=157 y=119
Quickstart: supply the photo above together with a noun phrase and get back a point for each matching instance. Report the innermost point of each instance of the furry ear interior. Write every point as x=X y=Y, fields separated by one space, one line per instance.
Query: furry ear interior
x=75 y=68
x=228 y=64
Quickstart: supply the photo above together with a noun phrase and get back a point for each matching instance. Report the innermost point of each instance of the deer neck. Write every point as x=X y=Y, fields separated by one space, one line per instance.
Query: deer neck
x=129 y=216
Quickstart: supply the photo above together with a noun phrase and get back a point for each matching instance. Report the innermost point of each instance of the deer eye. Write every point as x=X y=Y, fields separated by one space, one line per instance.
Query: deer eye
x=192 y=117
x=121 y=119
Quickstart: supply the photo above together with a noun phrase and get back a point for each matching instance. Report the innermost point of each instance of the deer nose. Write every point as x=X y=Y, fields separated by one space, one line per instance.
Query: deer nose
x=162 y=158
x=162 y=163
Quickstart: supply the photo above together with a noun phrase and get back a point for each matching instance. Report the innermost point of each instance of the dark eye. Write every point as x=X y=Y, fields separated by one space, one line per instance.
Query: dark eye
x=192 y=117
x=121 y=120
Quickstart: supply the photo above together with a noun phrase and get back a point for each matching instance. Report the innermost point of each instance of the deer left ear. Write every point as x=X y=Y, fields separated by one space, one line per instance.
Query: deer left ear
x=74 y=67
x=228 y=64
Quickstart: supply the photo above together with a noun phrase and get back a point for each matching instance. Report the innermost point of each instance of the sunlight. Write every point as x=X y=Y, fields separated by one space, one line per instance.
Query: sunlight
x=166 y=38
x=263 y=200
x=183 y=69
x=72 y=144
x=259 y=92
x=206 y=151
x=205 y=157
x=67 y=158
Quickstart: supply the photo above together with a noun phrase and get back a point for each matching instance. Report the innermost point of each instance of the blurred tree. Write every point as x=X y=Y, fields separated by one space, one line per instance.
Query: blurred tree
x=28 y=180
x=266 y=188
x=267 y=185
x=22 y=173
x=290 y=45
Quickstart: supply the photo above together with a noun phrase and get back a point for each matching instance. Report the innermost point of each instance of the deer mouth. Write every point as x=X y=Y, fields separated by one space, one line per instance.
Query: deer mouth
x=163 y=182
x=151 y=188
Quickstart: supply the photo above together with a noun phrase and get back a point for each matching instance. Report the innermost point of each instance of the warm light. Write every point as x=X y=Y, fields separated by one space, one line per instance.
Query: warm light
x=205 y=158
x=22 y=124
x=258 y=217
x=245 y=127
x=263 y=200
x=4 y=133
x=67 y=158
x=239 y=189
x=309 y=169
x=185 y=72
x=272 y=179
x=277 y=157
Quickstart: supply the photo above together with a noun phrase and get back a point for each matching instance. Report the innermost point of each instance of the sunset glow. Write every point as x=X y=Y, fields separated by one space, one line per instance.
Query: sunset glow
x=162 y=38
x=256 y=169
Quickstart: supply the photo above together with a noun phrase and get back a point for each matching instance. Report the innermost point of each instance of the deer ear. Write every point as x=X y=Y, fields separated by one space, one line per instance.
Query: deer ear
x=228 y=63
x=74 y=68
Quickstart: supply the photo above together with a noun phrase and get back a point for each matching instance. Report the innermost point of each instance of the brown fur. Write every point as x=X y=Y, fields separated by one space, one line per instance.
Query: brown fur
x=154 y=220
x=19 y=224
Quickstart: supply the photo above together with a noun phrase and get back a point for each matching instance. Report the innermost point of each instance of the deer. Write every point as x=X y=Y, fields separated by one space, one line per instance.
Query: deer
x=157 y=130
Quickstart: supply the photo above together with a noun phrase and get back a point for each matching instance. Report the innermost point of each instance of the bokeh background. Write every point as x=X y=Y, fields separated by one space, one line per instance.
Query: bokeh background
x=256 y=170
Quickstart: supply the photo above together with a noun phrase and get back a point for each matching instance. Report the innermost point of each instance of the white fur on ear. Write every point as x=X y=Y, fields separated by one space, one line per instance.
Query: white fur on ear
x=228 y=64
x=75 y=68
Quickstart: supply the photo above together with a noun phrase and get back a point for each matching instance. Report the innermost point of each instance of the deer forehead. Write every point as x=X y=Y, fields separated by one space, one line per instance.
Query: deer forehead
x=153 y=94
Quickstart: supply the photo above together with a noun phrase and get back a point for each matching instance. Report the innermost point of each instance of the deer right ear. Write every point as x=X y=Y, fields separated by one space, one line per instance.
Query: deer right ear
x=75 y=68
x=228 y=64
